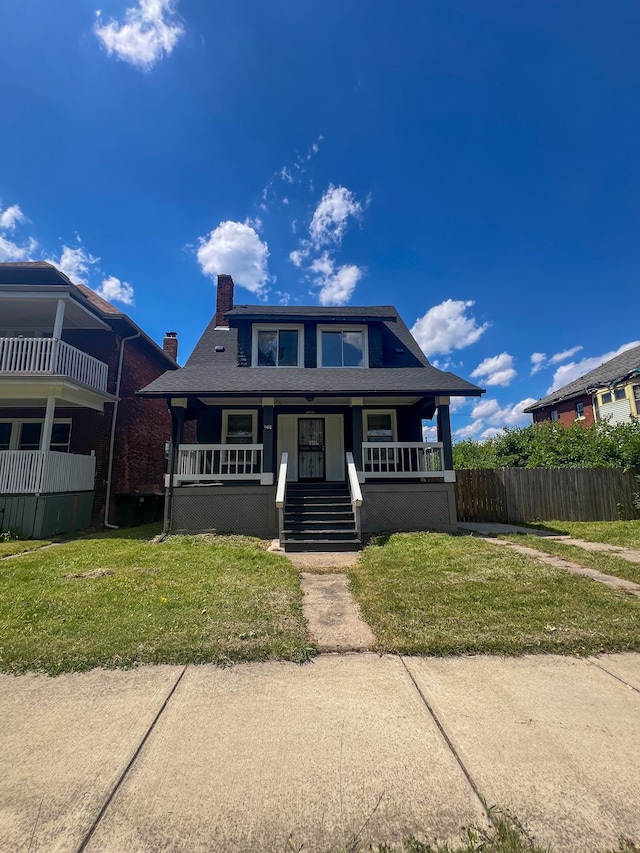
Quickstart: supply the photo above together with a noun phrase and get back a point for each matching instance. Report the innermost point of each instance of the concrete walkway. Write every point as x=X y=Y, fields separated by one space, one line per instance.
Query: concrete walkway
x=332 y=615
x=277 y=757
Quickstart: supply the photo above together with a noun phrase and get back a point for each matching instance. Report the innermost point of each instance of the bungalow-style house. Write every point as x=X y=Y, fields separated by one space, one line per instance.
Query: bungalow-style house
x=610 y=392
x=309 y=427
x=77 y=448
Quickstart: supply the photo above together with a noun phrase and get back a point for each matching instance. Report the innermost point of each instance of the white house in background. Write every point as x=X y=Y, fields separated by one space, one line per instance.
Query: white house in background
x=309 y=424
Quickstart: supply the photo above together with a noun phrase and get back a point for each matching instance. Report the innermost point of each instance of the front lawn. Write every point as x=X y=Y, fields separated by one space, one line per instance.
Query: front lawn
x=623 y=533
x=116 y=599
x=9 y=547
x=607 y=563
x=436 y=594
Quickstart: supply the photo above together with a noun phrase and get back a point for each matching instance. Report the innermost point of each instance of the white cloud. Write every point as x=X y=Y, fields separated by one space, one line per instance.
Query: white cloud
x=330 y=218
x=150 y=31
x=497 y=370
x=469 y=431
x=458 y=403
x=489 y=418
x=564 y=355
x=114 y=290
x=566 y=373
x=74 y=263
x=485 y=408
x=235 y=248
x=336 y=285
x=296 y=257
x=447 y=326
x=10 y=216
x=429 y=433
x=538 y=360
x=10 y=251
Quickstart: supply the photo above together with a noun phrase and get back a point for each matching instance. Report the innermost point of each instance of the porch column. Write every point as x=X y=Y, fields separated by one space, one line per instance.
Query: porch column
x=444 y=435
x=47 y=426
x=356 y=430
x=177 y=409
x=57 y=325
x=267 y=441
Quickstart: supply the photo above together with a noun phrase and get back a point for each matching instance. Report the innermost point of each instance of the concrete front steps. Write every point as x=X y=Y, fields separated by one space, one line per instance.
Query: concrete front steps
x=319 y=517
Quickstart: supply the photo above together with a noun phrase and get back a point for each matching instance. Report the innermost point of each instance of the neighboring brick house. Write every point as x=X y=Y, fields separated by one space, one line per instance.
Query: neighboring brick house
x=610 y=392
x=72 y=430
x=309 y=424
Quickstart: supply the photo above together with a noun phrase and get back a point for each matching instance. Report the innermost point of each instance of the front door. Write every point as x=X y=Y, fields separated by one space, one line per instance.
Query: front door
x=311 y=449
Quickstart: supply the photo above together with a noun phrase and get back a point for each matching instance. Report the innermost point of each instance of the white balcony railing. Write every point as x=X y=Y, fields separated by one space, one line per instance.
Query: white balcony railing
x=48 y=356
x=34 y=472
x=402 y=459
x=202 y=463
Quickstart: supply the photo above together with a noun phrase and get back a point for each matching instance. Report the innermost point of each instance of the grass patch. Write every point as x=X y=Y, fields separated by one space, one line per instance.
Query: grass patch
x=20 y=546
x=116 y=599
x=607 y=563
x=437 y=594
x=623 y=533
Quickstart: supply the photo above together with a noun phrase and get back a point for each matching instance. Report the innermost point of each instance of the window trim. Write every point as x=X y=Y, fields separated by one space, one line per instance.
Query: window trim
x=557 y=416
x=619 y=394
x=276 y=327
x=580 y=415
x=16 y=424
x=394 y=422
x=225 y=424
x=344 y=328
x=608 y=394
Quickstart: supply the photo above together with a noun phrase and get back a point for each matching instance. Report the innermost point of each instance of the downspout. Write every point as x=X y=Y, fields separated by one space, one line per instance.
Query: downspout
x=112 y=439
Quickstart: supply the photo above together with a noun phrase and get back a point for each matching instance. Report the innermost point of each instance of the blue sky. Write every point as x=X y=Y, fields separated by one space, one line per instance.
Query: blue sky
x=474 y=163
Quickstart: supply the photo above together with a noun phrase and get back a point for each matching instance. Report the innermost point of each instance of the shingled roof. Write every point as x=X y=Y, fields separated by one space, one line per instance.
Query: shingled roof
x=208 y=372
x=607 y=375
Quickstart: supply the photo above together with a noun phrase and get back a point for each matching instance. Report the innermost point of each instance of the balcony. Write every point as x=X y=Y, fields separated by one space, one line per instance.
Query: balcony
x=35 y=472
x=51 y=357
x=401 y=459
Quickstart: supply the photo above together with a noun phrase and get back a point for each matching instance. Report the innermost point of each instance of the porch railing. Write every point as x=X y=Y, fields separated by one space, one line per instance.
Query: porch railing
x=402 y=459
x=202 y=463
x=34 y=472
x=355 y=491
x=281 y=493
x=42 y=356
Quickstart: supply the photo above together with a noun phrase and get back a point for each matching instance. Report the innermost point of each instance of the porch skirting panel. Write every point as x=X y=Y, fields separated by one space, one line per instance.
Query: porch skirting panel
x=248 y=510
x=46 y=515
x=408 y=506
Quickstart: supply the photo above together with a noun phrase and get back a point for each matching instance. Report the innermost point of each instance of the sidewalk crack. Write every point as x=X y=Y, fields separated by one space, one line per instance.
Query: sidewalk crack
x=450 y=744
x=130 y=763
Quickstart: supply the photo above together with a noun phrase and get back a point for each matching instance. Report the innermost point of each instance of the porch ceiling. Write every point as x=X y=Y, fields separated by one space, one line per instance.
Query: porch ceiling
x=34 y=390
x=24 y=309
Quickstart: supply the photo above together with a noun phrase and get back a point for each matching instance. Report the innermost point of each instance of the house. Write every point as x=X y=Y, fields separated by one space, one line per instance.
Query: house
x=77 y=448
x=309 y=426
x=610 y=392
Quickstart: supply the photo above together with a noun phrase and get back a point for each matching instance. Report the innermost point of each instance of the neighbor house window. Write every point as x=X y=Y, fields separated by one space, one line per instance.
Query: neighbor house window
x=277 y=346
x=239 y=427
x=554 y=414
x=606 y=397
x=579 y=410
x=26 y=435
x=636 y=393
x=342 y=347
x=380 y=426
x=620 y=394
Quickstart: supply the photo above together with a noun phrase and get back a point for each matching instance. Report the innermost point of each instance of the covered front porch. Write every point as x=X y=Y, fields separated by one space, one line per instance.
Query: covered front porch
x=236 y=477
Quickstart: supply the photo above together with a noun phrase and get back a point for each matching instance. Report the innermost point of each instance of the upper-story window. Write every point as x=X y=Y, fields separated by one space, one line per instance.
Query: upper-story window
x=342 y=347
x=620 y=394
x=554 y=415
x=579 y=410
x=277 y=346
x=606 y=398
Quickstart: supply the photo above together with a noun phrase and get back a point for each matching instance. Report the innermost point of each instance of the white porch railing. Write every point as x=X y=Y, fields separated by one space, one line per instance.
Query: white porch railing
x=38 y=356
x=34 y=472
x=402 y=459
x=355 y=491
x=202 y=463
x=281 y=493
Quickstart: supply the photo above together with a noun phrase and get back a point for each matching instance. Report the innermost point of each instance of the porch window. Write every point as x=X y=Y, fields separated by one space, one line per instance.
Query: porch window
x=343 y=347
x=380 y=426
x=239 y=427
x=25 y=435
x=277 y=346
x=5 y=436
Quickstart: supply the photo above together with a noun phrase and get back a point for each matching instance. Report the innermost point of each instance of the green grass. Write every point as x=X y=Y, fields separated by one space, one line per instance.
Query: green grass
x=19 y=546
x=607 y=563
x=116 y=599
x=623 y=533
x=436 y=594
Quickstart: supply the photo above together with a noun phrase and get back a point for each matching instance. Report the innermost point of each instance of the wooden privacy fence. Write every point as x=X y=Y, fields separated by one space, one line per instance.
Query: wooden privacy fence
x=538 y=494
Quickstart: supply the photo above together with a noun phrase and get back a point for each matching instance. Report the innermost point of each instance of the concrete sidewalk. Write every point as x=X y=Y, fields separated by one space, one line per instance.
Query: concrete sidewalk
x=276 y=757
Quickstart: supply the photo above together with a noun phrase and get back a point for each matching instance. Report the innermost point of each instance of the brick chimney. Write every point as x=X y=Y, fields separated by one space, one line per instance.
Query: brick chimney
x=170 y=345
x=224 y=299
